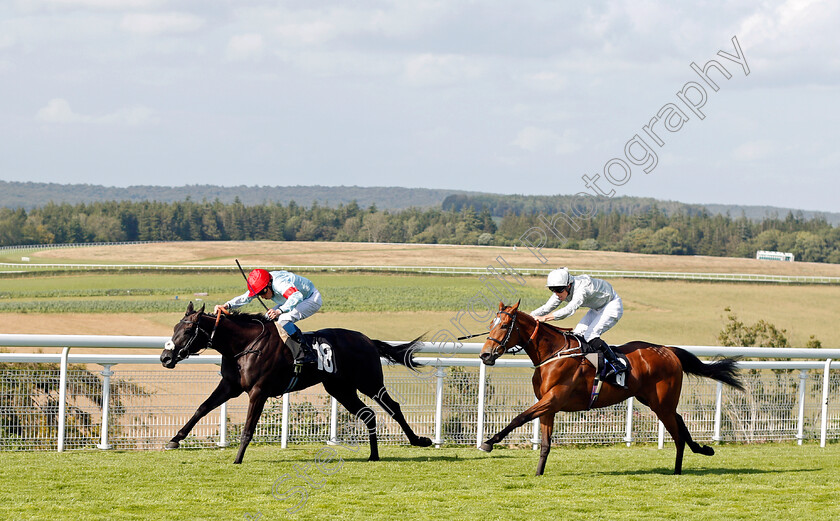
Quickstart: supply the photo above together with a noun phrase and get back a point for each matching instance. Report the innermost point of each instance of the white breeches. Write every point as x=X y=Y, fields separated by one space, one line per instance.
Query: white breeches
x=305 y=309
x=598 y=321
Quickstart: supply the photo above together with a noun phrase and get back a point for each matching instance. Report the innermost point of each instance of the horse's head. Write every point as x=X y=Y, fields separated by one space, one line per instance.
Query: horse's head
x=188 y=339
x=503 y=334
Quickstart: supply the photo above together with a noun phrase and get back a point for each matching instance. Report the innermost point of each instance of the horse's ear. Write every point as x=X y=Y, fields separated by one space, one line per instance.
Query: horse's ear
x=501 y=305
x=201 y=311
x=190 y=308
x=516 y=306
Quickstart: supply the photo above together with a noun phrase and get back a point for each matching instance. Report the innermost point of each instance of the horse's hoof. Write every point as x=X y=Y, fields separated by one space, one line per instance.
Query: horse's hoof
x=373 y=458
x=707 y=451
x=172 y=445
x=422 y=441
x=486 y=447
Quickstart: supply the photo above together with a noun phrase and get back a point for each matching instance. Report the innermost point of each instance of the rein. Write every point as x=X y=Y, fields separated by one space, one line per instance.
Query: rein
x=248 y=350
x=557 y=355
x=510 y=329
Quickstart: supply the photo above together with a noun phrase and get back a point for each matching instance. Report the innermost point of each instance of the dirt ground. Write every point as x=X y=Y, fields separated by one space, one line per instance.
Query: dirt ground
x=255 y=253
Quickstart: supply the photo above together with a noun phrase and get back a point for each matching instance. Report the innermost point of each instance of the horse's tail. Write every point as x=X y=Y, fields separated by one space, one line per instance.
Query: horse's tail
x=724 y=370
x=400 y=354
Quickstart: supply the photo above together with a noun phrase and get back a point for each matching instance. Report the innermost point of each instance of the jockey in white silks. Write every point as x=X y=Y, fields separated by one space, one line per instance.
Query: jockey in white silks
x=605 y=309
x=296 y=298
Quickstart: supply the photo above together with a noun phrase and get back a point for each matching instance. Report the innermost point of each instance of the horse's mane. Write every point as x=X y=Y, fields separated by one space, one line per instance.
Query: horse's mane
x=241 y=318
x=557 y=329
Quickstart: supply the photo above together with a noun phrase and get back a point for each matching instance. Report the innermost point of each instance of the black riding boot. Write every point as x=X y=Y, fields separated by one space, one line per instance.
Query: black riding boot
x=301 y=350
x=614 y=364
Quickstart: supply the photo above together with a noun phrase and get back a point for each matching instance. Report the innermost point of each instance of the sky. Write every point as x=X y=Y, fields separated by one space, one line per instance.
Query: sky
x=525 y=97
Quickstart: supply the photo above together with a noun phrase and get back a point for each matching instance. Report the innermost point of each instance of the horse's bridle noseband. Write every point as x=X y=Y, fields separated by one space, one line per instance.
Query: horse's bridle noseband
x=510 y=328
x=513 y=325
x=198 y=329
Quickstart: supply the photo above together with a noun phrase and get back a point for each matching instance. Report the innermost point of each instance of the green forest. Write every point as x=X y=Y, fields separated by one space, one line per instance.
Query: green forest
x=644 y=230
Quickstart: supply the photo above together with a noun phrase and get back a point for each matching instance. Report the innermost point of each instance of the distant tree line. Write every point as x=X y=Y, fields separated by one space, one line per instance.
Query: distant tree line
x=648 y=230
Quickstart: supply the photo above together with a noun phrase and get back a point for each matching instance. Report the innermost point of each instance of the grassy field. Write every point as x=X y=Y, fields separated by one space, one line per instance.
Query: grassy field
x=258 y=253
x=739 y=482
x=405 y=306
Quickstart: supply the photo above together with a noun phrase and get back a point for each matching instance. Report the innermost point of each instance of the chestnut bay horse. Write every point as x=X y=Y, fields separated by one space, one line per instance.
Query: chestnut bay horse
x=563 y=378
x=255 y=360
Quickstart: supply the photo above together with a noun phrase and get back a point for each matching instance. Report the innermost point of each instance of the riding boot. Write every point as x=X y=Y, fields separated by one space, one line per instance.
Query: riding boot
x=614 y=364
x=299 y=346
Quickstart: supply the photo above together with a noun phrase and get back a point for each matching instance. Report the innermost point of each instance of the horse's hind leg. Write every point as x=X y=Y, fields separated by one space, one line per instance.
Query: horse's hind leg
x=672 y=425
x=393 y=408
x=693 y=445
x=350 y=400
x=220 y=395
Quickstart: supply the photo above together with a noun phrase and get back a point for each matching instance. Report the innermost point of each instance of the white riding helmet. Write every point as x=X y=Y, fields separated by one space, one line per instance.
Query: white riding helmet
x=559 y=278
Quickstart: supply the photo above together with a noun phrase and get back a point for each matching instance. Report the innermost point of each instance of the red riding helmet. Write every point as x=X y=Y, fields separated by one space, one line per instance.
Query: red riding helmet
x=258 y=280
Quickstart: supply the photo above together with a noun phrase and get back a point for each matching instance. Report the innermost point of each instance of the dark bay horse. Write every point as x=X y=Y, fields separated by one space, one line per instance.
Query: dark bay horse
x=255 y=360
x=563 y=378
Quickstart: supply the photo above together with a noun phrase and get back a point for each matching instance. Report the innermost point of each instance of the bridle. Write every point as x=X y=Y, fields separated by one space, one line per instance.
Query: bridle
x=198 y=330
x=513 y=325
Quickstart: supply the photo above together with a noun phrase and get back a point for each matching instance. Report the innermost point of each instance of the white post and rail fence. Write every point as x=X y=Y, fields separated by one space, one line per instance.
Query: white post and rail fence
x=455 y=400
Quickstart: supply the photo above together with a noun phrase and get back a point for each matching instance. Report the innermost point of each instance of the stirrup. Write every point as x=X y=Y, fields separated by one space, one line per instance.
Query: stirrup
x=614 y=369
x=309 y=357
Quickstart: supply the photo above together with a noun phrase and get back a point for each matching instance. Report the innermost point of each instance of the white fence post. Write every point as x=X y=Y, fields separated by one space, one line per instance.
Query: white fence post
x=439 y=407
x=661 y=435
x=106 y=400
x=223 y=441
x=284 y=422
x=482 y=386
x=333 y=422
x=628 y=427
x=800 y=420
x=536 y=437
x=62 y=398
x=718 y=411
x=824 y=426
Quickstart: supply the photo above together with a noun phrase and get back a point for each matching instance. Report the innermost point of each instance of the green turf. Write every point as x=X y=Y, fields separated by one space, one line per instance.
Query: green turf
x=152 y=292
x=740 y=482
x=671 y=312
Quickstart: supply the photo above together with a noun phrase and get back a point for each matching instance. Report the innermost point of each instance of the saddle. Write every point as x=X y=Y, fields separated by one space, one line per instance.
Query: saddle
x=596 y=358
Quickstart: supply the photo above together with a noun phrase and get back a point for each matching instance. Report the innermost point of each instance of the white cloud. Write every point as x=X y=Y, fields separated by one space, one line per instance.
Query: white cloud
x=100 y=4
x=307 y=33
x=753 y=151
x=792 y=26
x=160 y=23
x=534 y=139
x=58 y=110
x=6 y=41
x=244 y=47
x=440 y=69
x=130 y=116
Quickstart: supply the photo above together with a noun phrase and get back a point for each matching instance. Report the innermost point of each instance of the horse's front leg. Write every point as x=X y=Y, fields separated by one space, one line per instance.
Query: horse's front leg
x=223 y=392
x=255 y=409
x=546 y=404
x=546 y=428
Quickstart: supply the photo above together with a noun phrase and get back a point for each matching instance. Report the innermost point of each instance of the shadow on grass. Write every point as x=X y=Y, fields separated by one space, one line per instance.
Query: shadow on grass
x=693 y=472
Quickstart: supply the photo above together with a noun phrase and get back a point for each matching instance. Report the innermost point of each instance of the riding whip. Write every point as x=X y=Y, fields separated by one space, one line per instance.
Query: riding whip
x=472 y=336
x=246 y=283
